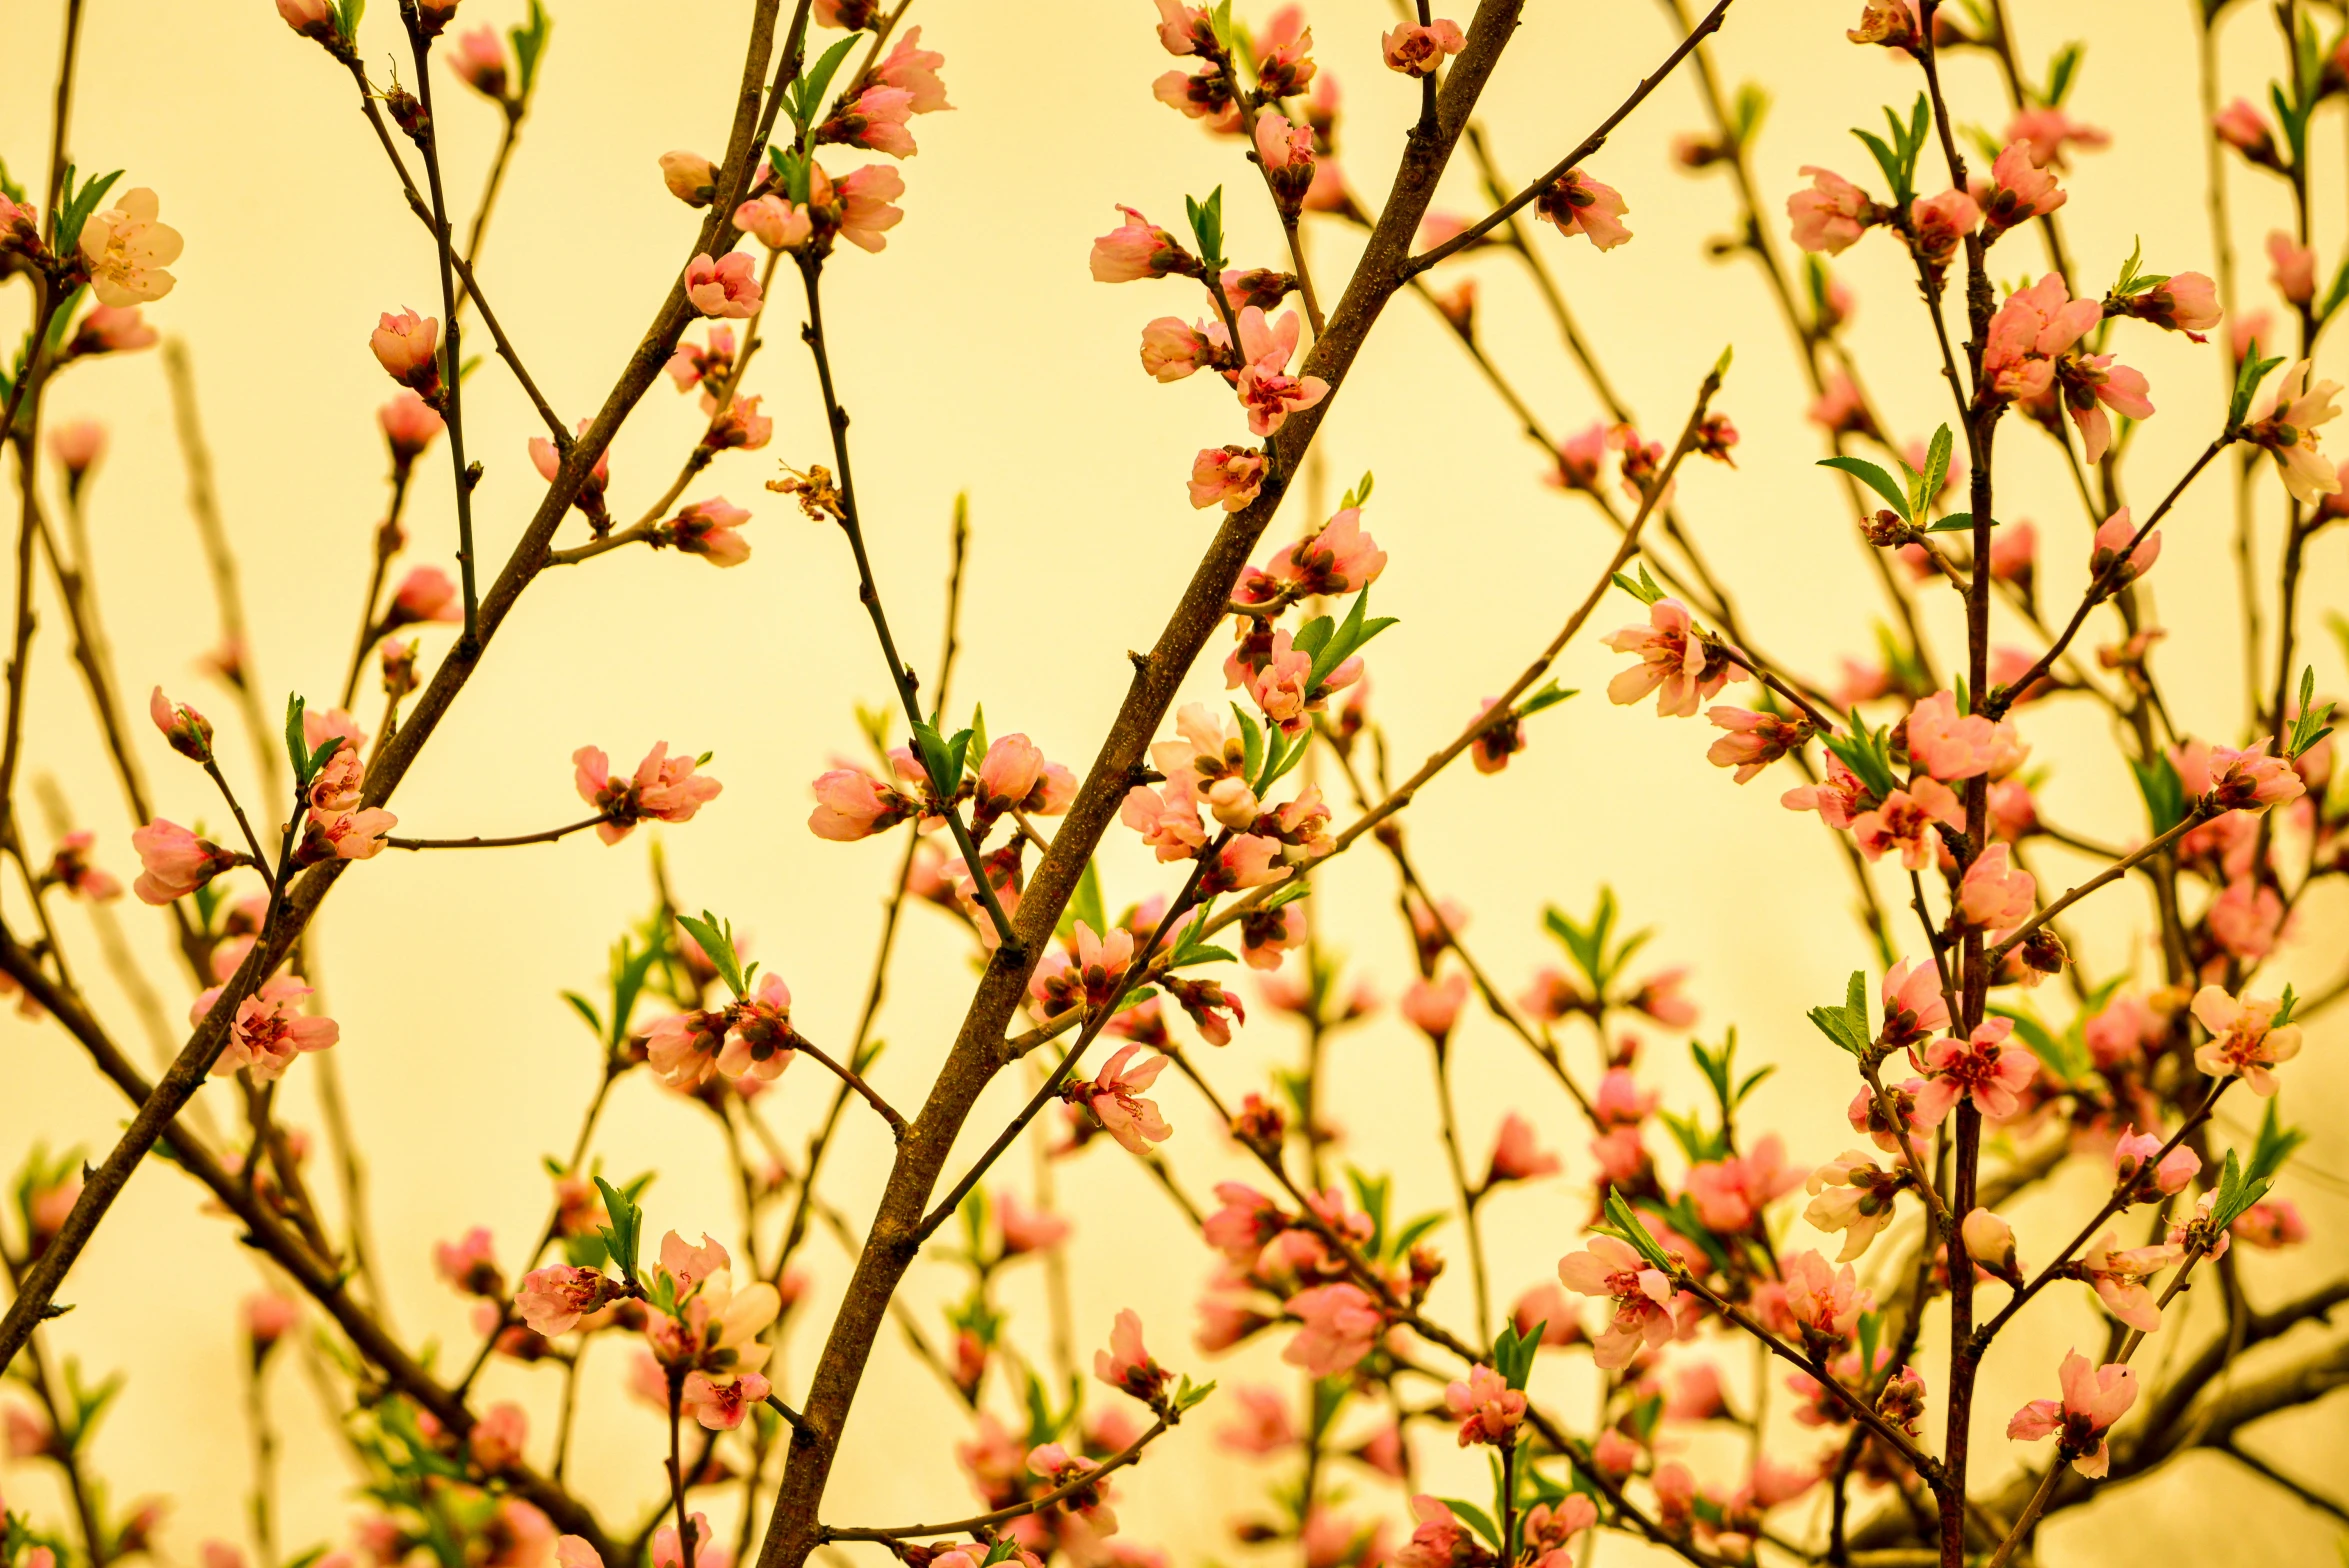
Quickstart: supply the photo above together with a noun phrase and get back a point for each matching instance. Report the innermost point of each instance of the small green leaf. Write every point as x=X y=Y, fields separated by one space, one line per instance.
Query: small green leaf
x=1873 y=477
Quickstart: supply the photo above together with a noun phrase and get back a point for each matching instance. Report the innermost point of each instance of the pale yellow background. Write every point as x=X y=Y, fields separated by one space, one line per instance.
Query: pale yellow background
x=976 y=355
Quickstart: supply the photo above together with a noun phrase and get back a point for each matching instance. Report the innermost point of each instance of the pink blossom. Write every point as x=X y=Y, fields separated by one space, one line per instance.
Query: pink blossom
x=2035 y=327
x=1839 y=408
x=663 y=787
x=1184 y=29
x=1990 y=1241
x=1417 y=51
x=1838 y=799
x=1892 y=24
x=188 y=731
x=1173 y=349
x=1516 y=1156
x=405 y=346
x=2242 y=127
x=1824 y=1304
x=720 y=1407
x=690 y=177
x=1904 y=822
x=1488 y=1409
x=69 y=867
x=852 y=804
x=2244 y=1039
x=1138 y=249
x=469 y=1264
x=497 y=1438
x=1265 y=1426
x=710 y=529
x=268 y=1317
x=1831 y=216
x=1578 y=204
x=1267 y=391
x=549 y=463
x=1247 y=1220
x=1115 y=1099
x=77 y=446
x=1952 y=748
x=2250 y=779
x=1731 y=1193
x=1126 y=1365
x=426 y=594
x=914 y=70
x=2291 y=268
x=1016 y=776
x=1167 y=818
x=1994 y=894
x=175 y=862
x=2269 y=1224
x=1641 y=1294
x=1338 y=558
x=1026 y=1230
x=1913 y=1004
x=310 y=18
x=1675 y=662
x=1854 y=1195
x=1228 y=476
x=480 y=63
x=2119 y=1278
x=2113 y=537
x=269 y=1030
x=1754 y=741
x=874 y=119
x=2134 y=1165
x=864 y=204
x=409 y=426
x=724 y=287
x=1433 y=1007
x=2186 y=302
x=2288 y=433
x=1986 y=1067
x=760 y=1042
x=2047 y=133
x=2017 y=191
x=2094 y=1399
x=1285 y=152
x=1340 y=1324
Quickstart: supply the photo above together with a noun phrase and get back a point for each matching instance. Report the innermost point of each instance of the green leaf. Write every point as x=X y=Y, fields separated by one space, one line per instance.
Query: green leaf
x=529 y=41
x=2163 y=791
x=717 y=940
x=1548 y=696
x=1847 y=1024
x=1644 y=591
x=808 y=92
x=622 y=1236
x=585 y=1009
x=1936 y=469
x=2310 y=727
x=1635 y=1231
x=1873 y=477
x=2254 y=370
x=2274 y=1146
x=1956 y=523
x=297 y=751
x=2061 y=72
x=1207 y=228
x=1086 y=905
x=1475 y=1518
x=347 y=19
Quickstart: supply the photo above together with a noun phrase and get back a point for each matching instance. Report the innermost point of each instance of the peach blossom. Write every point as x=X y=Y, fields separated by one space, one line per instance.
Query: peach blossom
x=2244 y=1039
x=1831 y=216
x=126 y=247
x=1415 y=50
x=1578 y=204
x=723 y=287
x=1986 y=1067
x=2094 y=1398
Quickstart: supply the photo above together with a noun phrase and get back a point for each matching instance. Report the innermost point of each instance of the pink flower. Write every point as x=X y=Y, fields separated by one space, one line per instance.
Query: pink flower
x=914 y=70
x=343 y=835
x=2094 y=1399
x=2269 y=1224
x=682 y=1048
x=2244 y=1039
x=1172 y=349
x=1578 y=204
x=268 y=1031
x=2112 y=537
x=268 y=1317
x=1913 y=1004
x=1904 y=822
x=760 y=1043
x=1015 y=776
x=1167 y=818
x=310 y=18
x=2134 y=1166
x=1952 y=748
x=1516 y=1157
x=1985 y=1067
x=2119 y=1278
x=1247 y=1220
x=1339 y=558
x=1285 y=152
x=2291 y=268
x=2091 y=383
x=1641 y=1294
x=553 y=1300
x=1265 y=1426
x=1675 y=662
x=480 y=63
x=69 y=867
x=126 y=248
x=2249 y=780
x=709 y=529
x=2187 y=302
x=425 y=594
x=663 y=787
x=549 y=463
x=470 y=1264
x=1126 y=1365
x=874 y=119
x=852 y=804
x=2288 y=432
x=497 y=1438
x=2034 y=328
x=188 y=731
x=2241 y=127
x=409 y=426
x=1027 y=1230
x=2047 y=133
x=691 y=178
x=1340 y=1324
x=724 y=287
x=2017 y=191
x=1267 y=391
x=1837 y=800
x=1994 y=894
x=1433 y=1007
x=1990 y=1241
x=865 y=207
x=1754 y=741
x=1116 y=1101
x=1825 y=1305
x=1138 y=249
x=1184 y=29
x=1227 y=476
x=1893 y=24
x=77 y=446
x=776 y=223
x=405 y=346
x=175 y=862
x=720 y=1407
x=1488 y=1409
x=1417 y=51
x=1831 y=216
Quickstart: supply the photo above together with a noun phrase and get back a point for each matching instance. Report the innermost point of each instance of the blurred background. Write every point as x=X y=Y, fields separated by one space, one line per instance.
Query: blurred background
x=976 y=356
